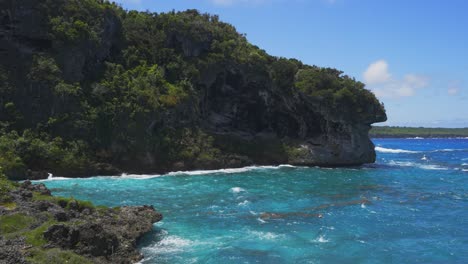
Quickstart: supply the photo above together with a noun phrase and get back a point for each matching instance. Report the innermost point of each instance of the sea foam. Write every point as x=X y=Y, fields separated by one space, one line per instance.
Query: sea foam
x=176 y=173
x=449 y=150
x=321 y=239
x=388 y=150
x=416 y=165
x=237 y=190
x=265 y=235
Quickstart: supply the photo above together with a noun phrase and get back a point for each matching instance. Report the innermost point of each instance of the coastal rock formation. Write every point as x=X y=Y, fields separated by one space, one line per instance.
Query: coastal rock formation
x=36 y=226
x=88 y=88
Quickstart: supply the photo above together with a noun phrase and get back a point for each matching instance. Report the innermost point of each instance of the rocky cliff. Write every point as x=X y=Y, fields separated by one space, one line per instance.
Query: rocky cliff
x=88 y=88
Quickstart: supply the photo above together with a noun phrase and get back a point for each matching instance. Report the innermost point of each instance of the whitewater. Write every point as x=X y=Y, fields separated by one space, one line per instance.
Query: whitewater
x=408 y=207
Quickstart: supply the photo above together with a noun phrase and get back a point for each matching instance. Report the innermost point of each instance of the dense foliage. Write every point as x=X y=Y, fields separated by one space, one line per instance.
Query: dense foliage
x=386 y=131
x=104 y=86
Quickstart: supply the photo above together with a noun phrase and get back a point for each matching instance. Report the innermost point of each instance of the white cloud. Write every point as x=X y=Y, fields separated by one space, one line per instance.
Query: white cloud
x=453 y=91
x=454 y=88
x=380 y=81
x=377 y=72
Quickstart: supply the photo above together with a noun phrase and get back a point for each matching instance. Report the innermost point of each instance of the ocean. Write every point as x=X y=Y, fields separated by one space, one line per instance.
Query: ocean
x=411 y=206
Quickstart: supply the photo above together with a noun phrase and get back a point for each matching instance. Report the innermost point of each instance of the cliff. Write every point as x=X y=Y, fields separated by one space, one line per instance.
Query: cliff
x=89 y=88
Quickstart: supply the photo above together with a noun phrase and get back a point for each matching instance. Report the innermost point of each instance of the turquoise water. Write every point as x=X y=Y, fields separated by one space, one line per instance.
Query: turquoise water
x=409 y=207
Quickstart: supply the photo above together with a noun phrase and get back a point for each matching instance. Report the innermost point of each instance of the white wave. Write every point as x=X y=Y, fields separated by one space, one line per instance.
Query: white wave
x=321 y=239
x=416 y=165
x=415 y=138
x=51 y=177
x=230 y=171
x=465 y=170
x=387 y=150
x=290 y=166
x=133 y=176
x=363 y=206
x=449 y=150
x=432 y=167
x=244 y=203
x=261 y=220
x=237 y=190
x=177 y=173
x=265 y=235
x=464 y=164
x=424 y=157
x=226 y=171
x=169 y=244
x=402 y=163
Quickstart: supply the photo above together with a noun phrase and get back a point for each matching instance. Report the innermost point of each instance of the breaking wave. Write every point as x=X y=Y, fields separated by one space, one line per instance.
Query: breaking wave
x=388 y=150
x=417 y=165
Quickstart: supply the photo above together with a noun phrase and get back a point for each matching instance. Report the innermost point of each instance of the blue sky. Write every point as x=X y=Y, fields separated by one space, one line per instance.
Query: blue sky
x=412 y=53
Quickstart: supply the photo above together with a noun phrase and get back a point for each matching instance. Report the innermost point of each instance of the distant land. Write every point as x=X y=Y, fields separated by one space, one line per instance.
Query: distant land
x=401 y=132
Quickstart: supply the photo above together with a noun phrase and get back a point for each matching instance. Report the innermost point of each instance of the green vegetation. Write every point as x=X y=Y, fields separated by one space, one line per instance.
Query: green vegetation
x=106 y=86
x=33 y=228
x=65 y=202
x=35 y=237
x=346 y=95
x=386 y=131
x=15 y=223
x=56 y=256
x=38 y=151
x=5 y=187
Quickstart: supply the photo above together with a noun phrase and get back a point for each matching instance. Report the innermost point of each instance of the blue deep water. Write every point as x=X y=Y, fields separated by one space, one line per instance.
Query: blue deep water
x=409 y=207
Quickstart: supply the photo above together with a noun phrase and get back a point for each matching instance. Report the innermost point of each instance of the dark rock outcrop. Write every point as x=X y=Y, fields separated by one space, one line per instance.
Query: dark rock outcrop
x=101 y=235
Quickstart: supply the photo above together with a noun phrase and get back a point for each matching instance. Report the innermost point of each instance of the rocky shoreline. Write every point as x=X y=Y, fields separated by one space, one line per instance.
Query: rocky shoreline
x=37 y=227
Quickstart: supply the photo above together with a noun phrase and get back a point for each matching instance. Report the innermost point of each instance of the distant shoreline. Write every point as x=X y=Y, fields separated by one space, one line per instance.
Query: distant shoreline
x=413 y=137
x=415 y=132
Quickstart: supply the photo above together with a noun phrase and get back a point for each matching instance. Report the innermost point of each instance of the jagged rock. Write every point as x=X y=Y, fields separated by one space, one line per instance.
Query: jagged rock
x=94 y=240
x=102 y=235
x=10 y=251
x=62 y=236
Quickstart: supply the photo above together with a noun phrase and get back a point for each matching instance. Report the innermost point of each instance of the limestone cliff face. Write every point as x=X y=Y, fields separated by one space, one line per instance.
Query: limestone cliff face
x=250 y=108
x=241 y=106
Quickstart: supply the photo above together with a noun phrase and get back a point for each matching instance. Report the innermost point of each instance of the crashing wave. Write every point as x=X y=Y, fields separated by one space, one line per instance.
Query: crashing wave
x=449 y=150
x=237 y=190
x=388 y=150
x=417 y=165
x=229 y=171
x=321 y=239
